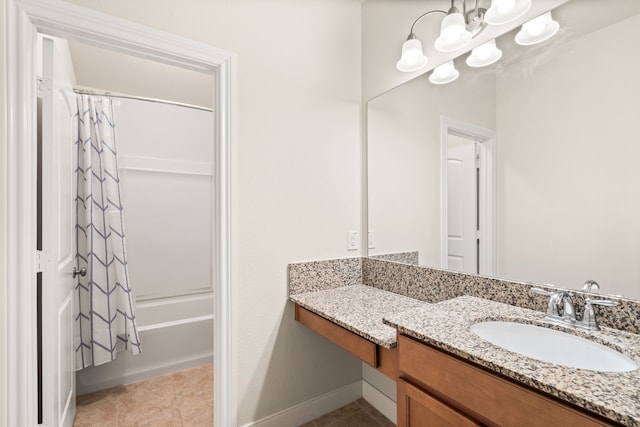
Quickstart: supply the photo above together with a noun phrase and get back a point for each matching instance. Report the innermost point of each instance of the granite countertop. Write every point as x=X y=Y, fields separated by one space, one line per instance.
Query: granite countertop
x=445 y=325
x=360 y=309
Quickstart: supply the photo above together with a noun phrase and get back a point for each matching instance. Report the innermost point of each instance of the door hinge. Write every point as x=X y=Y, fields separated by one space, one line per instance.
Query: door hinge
x=43 y=87
x=42 y=261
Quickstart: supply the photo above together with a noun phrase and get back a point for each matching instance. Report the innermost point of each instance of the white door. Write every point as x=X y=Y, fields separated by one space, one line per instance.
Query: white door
x=462 y=210
x=59 y=155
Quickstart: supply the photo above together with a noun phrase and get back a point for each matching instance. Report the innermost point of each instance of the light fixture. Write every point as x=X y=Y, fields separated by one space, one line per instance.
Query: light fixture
x=537 y=30
x=457 y=29
x=412 y=59
x=485 y=54
x=505 y=11
x=461 y=24
x=444 y=73
x=453 y=32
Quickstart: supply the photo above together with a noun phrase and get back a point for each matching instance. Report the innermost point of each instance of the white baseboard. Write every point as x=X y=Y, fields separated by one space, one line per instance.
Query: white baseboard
x=385 y=405
x=307 y=411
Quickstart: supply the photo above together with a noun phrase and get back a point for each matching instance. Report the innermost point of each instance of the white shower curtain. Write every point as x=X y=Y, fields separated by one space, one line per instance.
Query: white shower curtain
x=105 y=315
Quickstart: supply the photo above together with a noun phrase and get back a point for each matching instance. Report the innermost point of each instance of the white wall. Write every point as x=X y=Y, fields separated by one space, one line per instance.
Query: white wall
x=165 y=158
x=570 y=169
x=298 y=186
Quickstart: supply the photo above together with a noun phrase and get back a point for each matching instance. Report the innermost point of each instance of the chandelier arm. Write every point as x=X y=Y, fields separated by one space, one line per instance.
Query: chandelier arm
x=422 y=16
x=464 y=8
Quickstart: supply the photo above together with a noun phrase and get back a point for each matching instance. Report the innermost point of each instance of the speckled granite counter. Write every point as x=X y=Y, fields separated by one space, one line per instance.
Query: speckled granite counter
x=360 y=309
x=614 y=395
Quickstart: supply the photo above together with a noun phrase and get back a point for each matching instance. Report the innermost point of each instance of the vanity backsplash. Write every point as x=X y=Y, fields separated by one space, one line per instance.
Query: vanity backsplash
x=435 y=285
x=322 y=275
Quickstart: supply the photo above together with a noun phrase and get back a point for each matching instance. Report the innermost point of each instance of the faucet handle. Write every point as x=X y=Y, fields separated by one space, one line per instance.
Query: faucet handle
x=604 y=302
x=555 y=296
x=589 y=320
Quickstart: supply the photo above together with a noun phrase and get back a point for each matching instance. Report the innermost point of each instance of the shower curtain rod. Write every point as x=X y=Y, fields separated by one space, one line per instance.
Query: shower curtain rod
x=140 y=98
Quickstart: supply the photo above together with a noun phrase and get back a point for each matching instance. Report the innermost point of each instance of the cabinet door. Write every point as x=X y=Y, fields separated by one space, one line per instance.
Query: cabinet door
x=417 y=408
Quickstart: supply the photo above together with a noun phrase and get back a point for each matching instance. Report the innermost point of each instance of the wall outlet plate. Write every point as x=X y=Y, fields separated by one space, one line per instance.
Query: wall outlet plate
x=353 y=240
x=371 y=239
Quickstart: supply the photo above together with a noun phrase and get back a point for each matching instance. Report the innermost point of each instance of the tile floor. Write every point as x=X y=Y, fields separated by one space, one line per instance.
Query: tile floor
x=356 y=414
x=181 y=399
x=185 y=399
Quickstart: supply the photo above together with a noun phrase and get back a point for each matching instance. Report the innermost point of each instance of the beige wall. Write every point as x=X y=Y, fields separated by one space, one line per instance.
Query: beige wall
x=298 y=187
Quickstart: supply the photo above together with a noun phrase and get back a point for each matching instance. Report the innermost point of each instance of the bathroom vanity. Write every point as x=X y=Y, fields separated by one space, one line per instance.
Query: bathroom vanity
x=448 y=375
x=448 y=372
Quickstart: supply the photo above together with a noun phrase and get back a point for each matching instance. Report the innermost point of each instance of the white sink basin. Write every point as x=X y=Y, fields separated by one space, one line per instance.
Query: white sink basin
x=550 y=345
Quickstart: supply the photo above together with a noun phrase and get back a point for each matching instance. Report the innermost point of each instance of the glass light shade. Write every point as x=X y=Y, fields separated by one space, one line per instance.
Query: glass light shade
x=505 y=11
x=453 y=33
x=412 y=59
x=485 y=54
x=537 y=30
x=504 y=6
x=444 y=73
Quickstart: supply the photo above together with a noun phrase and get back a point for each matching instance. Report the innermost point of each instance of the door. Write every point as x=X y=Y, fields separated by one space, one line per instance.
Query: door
x=462 y=205
x=59 y=158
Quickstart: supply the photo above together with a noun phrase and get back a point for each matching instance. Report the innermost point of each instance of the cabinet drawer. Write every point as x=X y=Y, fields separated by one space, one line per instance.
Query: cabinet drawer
x=417 y=408
x=484 y=396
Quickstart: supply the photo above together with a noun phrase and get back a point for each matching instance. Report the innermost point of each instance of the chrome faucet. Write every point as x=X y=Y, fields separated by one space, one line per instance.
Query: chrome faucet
x=560 y=309
x=559 y=303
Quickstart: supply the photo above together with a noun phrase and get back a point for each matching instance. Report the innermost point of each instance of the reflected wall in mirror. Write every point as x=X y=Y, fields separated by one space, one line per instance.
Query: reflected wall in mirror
x=567 y=153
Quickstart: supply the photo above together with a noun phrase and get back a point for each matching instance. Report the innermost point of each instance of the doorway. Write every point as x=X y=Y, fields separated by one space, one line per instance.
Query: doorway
x=467 y=197
x=25 y=20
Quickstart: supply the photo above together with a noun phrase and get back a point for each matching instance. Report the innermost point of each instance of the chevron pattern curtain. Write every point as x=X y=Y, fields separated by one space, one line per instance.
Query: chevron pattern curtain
x=105 y=317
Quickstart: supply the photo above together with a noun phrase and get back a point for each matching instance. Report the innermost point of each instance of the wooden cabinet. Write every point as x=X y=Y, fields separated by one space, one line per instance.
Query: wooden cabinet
x=417 y=408
x=434 y=385
x=383 y=359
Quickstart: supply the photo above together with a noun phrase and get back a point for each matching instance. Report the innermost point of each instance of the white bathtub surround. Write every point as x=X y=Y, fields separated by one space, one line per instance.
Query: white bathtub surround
x=166 y=172
x=105 y=316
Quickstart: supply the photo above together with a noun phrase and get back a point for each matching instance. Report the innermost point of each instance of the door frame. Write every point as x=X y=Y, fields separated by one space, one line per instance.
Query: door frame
x=486 y=198
x=23 y=20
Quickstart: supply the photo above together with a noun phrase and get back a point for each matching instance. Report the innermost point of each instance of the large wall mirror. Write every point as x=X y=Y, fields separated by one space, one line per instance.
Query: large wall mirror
x=564 y=183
